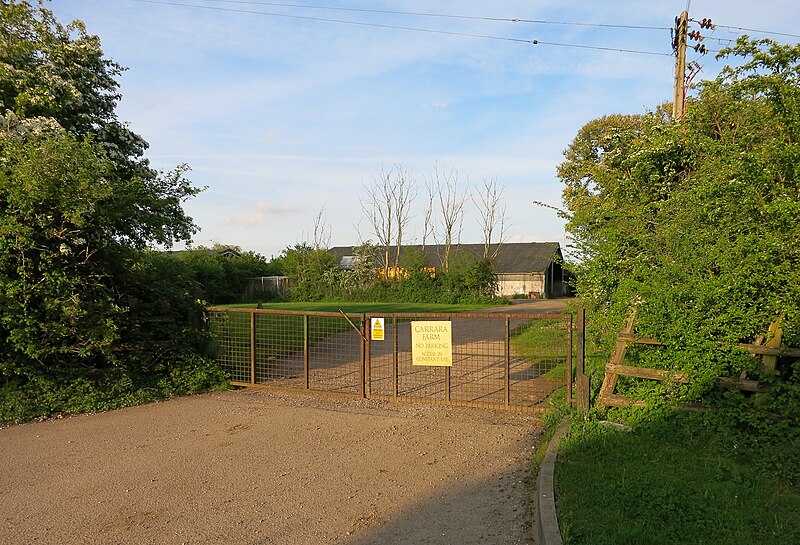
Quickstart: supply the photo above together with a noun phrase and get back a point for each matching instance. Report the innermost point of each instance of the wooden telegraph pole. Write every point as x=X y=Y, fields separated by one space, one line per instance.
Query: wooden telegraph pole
x=681 y=28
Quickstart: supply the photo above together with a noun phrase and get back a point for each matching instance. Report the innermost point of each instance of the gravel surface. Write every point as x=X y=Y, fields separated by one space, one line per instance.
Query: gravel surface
x=266 y=467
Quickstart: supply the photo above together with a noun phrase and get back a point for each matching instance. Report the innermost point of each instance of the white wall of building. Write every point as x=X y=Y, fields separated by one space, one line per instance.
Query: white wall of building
x=520 y=284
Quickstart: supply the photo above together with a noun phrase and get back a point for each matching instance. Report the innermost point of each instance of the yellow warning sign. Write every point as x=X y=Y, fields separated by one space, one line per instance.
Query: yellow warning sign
x=431 y=343
x=377 y=329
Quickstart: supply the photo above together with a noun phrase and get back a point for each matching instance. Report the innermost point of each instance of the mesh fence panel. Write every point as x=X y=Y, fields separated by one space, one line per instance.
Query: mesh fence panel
x=532 y=347
x=335 y=357
x=279 y=349
x=231 y=342
x=497 y=359
x=478 y=373
x=538 y=357
x=383 y=356
x=416 y=381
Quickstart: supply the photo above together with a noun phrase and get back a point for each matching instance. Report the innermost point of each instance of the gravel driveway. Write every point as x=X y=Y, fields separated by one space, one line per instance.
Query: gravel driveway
x=259 y=467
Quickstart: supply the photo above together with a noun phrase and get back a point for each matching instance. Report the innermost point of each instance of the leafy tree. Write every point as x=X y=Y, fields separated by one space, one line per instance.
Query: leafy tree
x=365 y=264
x=421 y=284
x=360 y=281
x=56 y=75
x=80 y=205
x=207 y=271
x=250 y=264
x=310 y=270
x=222 y=278
x=696 y=223
x=470 y=276
x=54 y=290
x=53 y=71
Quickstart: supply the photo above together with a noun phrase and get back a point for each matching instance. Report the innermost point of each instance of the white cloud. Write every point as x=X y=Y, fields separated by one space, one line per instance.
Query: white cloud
x=280 y=117
x=442 y=105
x=262 y=213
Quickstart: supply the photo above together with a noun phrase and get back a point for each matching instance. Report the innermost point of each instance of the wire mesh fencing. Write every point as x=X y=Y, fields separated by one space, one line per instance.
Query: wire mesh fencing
x=497 y=360
x=489 y=360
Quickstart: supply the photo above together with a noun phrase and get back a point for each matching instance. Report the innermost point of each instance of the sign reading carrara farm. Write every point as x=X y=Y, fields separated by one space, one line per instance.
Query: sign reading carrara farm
x=431 y=343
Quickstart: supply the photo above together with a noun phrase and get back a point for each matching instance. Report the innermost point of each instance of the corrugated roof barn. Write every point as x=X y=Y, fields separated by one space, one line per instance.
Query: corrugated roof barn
x=532 y=269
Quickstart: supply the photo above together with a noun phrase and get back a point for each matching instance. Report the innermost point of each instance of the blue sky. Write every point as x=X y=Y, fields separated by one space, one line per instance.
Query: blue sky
x=281 y=117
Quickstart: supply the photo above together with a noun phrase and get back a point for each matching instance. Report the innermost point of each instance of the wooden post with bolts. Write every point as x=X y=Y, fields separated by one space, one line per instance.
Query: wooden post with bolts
x=681 y=27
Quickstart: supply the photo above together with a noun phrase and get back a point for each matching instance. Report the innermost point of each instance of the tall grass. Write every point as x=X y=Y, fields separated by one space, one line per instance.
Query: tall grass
x=685 y=478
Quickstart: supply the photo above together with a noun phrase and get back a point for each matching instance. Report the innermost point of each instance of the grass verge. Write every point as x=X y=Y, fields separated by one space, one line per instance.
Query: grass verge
x=683 y=478
x=558 y=408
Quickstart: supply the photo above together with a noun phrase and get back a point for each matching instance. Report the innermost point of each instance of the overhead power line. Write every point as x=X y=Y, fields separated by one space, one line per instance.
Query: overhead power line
x=540 y=42
x=743 y=29
x=440 y=15
x=399 y=27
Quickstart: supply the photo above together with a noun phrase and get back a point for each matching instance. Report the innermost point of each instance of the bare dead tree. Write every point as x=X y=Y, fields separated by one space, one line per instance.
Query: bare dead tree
x=359 y=234
x=387 y=207
x=322 y=233
x=404 y=191
x=427 y=217
x=492 y=212
x=451 y=207
x=378 y=205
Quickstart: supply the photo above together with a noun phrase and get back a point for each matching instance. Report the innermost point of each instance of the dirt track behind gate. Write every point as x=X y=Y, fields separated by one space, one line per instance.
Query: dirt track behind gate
x=253 y=467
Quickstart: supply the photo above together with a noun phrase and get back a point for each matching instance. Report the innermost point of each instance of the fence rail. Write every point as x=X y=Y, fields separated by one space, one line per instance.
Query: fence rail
x=498 y=360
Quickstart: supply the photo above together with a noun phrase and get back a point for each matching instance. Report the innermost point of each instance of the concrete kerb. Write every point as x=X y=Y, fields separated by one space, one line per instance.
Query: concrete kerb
x=546 y=520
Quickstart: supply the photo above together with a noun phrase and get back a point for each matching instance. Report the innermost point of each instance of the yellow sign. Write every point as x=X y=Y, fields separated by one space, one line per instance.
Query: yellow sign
x=377 y=329
x=431 y=343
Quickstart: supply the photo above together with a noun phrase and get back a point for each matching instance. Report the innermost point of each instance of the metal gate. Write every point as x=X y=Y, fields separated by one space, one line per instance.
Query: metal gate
x=499 y=360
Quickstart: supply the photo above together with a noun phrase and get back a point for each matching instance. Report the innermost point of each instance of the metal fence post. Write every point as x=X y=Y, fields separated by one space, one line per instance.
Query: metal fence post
x=252 y=347
x=447 y=371
x=581 y=348
x=306 y=373
x=508 y=362
x=368 y=356
x=364 y=356
x=395 y=358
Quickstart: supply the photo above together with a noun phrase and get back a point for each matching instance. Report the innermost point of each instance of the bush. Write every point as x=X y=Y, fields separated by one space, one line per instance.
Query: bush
x=695 y=225
x=468 y=281
x=74 y=392
x=222 y=279
x=89 y=319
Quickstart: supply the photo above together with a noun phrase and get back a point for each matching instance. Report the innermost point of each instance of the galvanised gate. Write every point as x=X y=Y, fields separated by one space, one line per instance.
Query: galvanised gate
x=499 y=360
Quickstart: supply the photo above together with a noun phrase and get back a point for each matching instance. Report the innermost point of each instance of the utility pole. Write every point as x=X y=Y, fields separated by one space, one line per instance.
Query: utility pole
x=681 y=27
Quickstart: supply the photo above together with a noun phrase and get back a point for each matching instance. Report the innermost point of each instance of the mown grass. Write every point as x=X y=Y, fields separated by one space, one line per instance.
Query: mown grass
x=361 y=308
x=683 y=478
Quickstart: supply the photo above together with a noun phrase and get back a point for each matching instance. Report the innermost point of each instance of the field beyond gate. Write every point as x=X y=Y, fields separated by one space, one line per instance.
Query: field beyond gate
x=499 y=360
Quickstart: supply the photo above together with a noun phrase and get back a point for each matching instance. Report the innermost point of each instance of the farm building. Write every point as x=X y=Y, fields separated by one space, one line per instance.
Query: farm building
x=533 y=269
